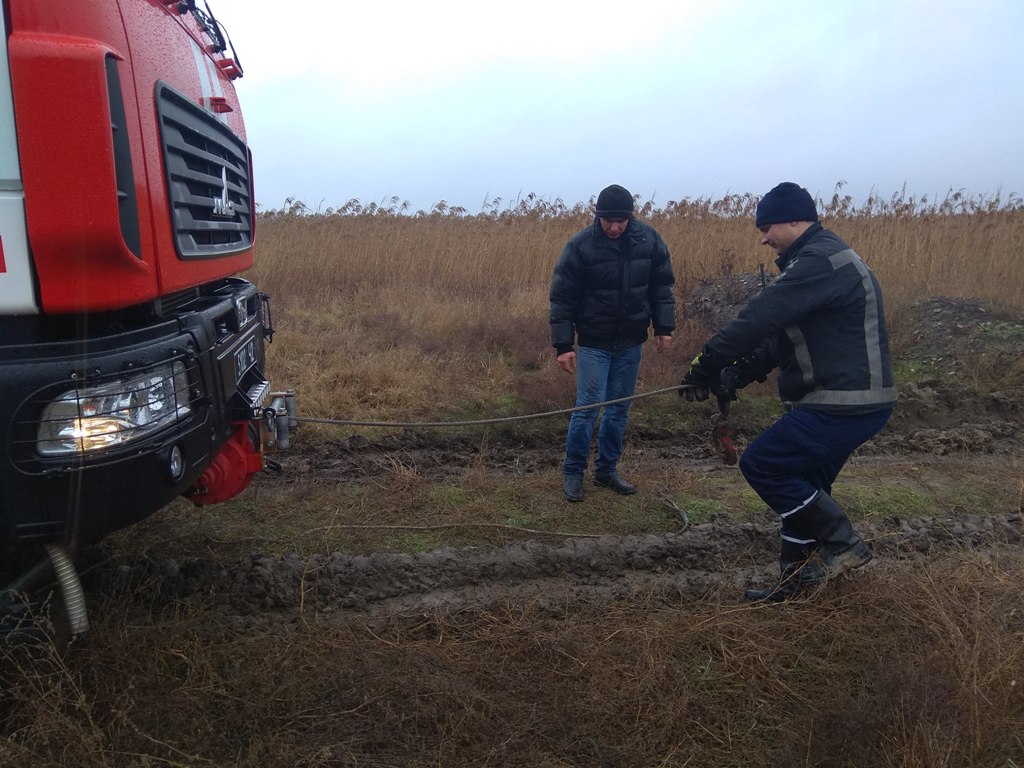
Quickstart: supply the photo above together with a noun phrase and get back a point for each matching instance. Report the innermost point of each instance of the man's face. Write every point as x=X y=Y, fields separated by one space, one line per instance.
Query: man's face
x=613 y=228
x=782 y=235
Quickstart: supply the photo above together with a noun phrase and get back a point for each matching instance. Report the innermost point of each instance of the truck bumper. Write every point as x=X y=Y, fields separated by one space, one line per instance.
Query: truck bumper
x=104 y=430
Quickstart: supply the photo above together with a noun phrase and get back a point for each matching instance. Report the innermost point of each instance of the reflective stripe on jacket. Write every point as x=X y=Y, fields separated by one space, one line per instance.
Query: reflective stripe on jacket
x=825 y=325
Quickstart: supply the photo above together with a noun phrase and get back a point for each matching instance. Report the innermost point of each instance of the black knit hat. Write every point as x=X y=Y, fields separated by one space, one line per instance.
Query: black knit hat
x=614 y=202
x=786 y=202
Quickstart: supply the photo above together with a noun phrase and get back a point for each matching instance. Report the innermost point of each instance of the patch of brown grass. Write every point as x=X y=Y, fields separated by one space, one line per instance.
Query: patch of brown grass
x=905 y=666
x=454 y=306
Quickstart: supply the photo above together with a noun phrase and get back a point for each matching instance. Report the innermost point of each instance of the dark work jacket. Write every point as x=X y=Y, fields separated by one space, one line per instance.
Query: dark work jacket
x=822 y=323
x=607 y=293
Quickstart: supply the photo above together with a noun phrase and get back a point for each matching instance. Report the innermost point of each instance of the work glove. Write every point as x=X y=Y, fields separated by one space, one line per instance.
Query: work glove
x=733 y=377
x=736 y=376
x=725 y=384
x=696 y=384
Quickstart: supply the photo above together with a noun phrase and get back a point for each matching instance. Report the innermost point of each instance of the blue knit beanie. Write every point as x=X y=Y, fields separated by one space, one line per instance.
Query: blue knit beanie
x=614 y=202
x=786 y=202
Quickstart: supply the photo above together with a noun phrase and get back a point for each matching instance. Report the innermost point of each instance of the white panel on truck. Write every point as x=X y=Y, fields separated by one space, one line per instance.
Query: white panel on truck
x=17 y=296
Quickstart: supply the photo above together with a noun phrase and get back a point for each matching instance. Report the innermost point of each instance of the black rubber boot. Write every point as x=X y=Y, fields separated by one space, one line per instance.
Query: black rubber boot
x=799 y=572
x=840 y=547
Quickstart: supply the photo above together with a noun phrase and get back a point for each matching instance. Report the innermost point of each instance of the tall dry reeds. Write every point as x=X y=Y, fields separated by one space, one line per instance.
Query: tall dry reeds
x=381 y=310
x=959 y=246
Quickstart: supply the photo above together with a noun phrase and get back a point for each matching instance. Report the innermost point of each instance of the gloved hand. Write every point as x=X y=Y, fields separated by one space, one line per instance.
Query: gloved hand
x=753 y=367
x=697 y=381
x=724 y=386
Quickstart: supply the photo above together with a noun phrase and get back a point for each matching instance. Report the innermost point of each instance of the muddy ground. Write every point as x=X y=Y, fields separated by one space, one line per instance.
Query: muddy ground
x=277 y=629
x=940 y=424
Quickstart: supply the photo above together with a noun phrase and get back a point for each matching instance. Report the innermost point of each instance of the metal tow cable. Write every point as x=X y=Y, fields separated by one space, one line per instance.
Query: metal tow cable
x=720 y=437
x=497 y=420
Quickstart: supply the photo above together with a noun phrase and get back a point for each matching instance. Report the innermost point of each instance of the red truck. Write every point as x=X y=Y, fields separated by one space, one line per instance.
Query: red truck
x=131 y=354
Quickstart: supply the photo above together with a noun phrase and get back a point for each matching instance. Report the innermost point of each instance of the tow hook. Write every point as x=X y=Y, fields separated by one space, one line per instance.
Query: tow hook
x=278 y=421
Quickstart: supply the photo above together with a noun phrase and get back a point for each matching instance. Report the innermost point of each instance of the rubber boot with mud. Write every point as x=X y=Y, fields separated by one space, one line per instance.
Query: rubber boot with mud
x=799 y=573
x=840 y=548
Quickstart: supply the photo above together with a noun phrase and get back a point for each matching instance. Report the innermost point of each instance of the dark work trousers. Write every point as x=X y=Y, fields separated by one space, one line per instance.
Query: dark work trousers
x=802 y=453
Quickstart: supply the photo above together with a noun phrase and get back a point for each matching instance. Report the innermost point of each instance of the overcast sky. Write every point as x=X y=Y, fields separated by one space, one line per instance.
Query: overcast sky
x=465 y=102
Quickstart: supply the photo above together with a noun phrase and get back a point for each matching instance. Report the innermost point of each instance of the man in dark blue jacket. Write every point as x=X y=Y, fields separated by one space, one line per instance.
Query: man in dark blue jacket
x=822 y=324
x=612 y=282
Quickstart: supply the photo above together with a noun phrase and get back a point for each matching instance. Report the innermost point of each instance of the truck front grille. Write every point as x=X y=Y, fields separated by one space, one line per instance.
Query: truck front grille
x=208 y=179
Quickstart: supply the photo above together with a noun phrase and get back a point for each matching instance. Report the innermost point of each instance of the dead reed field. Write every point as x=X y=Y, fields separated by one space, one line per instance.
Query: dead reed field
x=387 y=316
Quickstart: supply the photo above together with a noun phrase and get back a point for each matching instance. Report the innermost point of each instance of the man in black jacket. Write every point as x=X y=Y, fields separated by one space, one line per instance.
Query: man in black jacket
x=822 y=324
x=612 y=282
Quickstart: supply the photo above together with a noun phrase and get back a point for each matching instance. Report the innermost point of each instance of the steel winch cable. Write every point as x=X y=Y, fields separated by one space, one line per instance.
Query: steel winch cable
x=496 y=420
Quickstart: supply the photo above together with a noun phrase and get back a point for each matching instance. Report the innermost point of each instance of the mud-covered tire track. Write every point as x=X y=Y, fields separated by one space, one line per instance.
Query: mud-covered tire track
x=719 y=556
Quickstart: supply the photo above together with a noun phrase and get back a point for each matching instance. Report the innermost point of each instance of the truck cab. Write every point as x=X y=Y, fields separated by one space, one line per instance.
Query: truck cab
x=132 y=354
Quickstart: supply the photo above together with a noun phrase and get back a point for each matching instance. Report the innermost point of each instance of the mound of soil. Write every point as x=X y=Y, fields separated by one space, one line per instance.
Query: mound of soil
x=715 y=303
x=953 y=331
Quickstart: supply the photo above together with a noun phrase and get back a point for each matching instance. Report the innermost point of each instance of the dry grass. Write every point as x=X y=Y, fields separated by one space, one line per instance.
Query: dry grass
x=922 y=672
x=387 y=317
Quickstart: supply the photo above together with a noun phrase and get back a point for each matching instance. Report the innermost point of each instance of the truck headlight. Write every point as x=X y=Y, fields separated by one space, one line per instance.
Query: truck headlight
x=114 y=413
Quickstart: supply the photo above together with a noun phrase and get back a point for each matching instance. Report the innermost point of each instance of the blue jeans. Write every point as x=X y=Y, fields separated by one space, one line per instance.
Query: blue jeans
x=600 y=376
x=802 y=453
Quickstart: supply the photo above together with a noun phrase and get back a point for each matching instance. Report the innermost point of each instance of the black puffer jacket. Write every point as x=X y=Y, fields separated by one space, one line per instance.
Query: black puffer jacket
x=822 y=323
x=607 y=293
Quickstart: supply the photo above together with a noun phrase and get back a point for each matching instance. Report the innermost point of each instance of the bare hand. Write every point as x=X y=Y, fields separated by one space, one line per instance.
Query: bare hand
x=662 y=342
x=568 y=362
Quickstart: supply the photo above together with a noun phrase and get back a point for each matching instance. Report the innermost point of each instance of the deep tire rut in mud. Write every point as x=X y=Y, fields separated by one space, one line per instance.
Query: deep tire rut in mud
x=718 y=557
